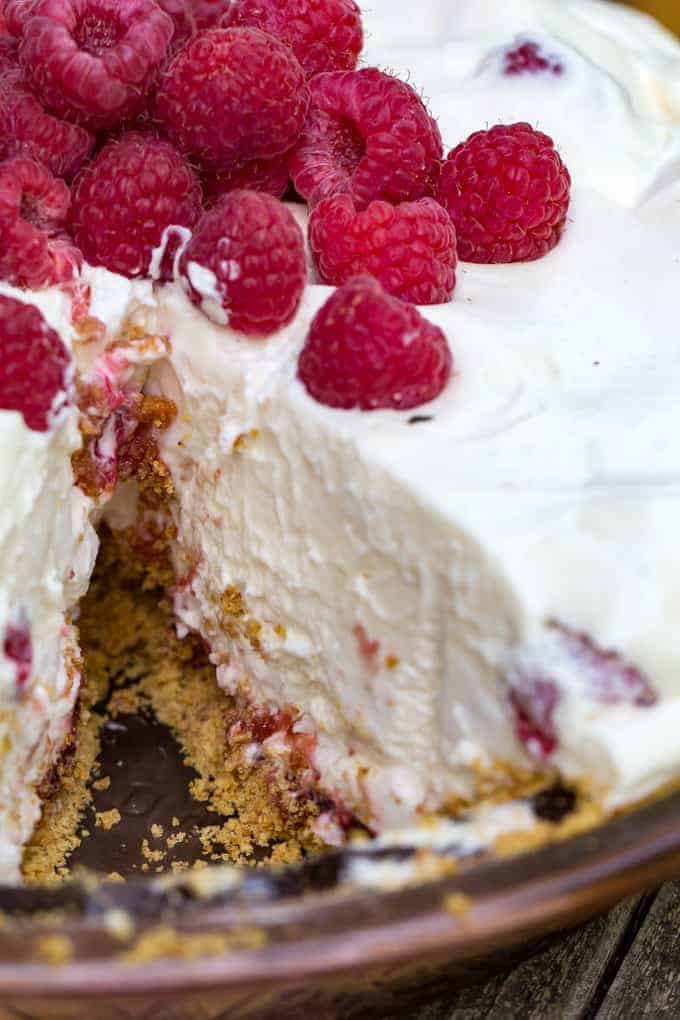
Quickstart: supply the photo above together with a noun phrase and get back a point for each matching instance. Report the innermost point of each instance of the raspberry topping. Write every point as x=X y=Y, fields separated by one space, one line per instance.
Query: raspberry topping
x=602 y=677
x=529 y=58
x=245 y=265
x=34 y=364
x=123 y=201
x=94 y=61
x=507 y=191
x=16 y=14
x=367 y=134
x=18 y=648
x=325 y=35
x=33 y=210
x=368 y=350
x=26 y=129
x=9 y=57
x=232 y=95
x=192 y=16
x=269 y=176
x=410 y=248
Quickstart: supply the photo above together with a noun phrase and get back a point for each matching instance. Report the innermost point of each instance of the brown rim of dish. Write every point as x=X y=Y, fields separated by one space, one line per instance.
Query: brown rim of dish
x=510 y=901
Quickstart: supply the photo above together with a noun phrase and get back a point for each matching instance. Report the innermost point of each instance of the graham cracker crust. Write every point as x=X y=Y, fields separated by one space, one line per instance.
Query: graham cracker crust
x=136 y=666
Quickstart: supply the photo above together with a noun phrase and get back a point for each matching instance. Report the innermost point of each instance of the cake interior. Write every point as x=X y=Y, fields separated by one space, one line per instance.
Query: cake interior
x=154 y=779
x=192 y=799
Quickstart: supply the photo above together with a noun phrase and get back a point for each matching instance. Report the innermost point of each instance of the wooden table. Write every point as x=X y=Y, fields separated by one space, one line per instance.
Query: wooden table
x=623 y=966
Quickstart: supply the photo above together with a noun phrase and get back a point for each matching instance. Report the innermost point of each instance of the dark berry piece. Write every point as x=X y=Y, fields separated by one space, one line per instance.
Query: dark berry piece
x=18 y=649
x=529 y=58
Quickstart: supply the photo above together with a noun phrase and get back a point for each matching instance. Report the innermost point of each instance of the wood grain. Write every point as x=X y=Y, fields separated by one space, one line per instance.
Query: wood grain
x=623 y=965
x=648 y=981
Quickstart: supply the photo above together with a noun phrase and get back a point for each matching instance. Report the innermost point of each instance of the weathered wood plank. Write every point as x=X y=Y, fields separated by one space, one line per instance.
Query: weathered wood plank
x=648 y=981
x=560 y=982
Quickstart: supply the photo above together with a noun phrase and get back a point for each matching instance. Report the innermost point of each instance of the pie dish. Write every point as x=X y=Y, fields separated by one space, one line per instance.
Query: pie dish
x=431 y=601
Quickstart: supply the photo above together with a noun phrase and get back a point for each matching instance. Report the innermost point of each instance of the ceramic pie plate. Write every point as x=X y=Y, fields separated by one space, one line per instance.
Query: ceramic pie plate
x=304 y=940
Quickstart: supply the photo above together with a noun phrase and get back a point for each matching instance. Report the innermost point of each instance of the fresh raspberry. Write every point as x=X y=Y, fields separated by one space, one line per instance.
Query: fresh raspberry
x=604 y=678
x=122 y=202
x=368 y=350
x=192 y=16
x=18 y=648
x=507 y=191
x=367 y=134
x=94 y=61
x=232 y=95
x=325 y=35
x=529 y=58
x=410 y=248
x=34 y=365
x=33 y=211
x=28 y=130
x=245 y=265
x=16 y=14
x=9 y=54
x=269 y=176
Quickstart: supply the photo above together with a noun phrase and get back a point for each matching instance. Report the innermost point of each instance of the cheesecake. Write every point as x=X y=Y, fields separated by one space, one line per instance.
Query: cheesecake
x=411 y=607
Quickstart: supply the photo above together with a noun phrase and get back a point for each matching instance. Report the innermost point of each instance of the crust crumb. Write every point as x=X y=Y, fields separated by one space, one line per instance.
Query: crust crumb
x=107 y=819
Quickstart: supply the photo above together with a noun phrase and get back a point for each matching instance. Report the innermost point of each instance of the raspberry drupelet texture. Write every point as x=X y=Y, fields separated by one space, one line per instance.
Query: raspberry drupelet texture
x=507 y=191
x=34 y=208
x=529 y=58
x=269 y=176
x=123 y=201
x=9 y=54
x=233 y=95
x=27 y=129
x=34 y=365
x=409 y=248
x=16 y=13
x=369 y=135
x=368 y=350
x=245 y=265
x=192 y=16
x=94 y=61
x=325 y=35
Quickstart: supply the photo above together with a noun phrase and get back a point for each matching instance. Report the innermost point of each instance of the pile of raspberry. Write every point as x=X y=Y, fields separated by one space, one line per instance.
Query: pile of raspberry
x=158 y=137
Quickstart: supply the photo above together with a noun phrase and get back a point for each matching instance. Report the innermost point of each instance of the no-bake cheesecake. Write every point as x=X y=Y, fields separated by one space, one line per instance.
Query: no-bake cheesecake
x=418 y=588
